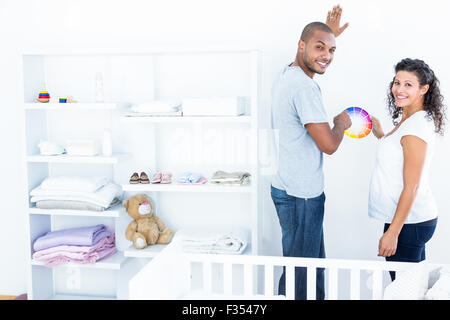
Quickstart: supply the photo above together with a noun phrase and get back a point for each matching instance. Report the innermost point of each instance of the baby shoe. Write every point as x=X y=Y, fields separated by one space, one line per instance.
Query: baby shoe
x=166 y=178
x=144 y=178
x=157 y=177
x=134 y=178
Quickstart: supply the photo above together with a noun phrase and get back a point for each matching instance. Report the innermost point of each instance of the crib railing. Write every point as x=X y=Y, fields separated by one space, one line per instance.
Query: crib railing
x=169 y=275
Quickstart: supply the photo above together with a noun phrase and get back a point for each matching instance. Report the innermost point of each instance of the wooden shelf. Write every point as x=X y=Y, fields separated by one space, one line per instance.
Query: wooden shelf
x=113 y=212
x=113 y=262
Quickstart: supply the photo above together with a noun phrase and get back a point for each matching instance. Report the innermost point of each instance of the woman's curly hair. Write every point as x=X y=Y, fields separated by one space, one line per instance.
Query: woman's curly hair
x=433 y=100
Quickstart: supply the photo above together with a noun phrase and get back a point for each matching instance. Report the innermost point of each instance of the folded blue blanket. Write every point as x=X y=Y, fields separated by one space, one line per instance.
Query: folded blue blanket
x=189 y=177
x=82 y=236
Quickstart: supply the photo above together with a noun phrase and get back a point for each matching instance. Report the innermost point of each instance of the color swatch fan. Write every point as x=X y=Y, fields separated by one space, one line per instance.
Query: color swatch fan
x=361 y=123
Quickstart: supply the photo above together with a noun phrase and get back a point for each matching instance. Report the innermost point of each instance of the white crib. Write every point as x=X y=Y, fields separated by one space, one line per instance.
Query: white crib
x=174 y=275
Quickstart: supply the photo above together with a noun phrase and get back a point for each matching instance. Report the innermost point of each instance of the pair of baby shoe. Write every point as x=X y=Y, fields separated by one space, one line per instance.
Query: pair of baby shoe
x=142 y=178
x=158 y=177
x=162 y=177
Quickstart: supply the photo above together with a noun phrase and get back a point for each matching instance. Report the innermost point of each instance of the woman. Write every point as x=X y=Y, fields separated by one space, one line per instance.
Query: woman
x=399 y=191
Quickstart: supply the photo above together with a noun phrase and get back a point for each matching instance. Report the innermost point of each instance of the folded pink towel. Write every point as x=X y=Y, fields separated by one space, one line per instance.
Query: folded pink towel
x=80 y=254
x=91 y=258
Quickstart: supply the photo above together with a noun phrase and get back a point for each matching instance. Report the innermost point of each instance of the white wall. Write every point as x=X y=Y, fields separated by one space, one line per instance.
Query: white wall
x=380 y=34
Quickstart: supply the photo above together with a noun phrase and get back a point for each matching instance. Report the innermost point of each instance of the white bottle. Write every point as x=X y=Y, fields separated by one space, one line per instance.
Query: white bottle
x=107 y=143
x=99 y=93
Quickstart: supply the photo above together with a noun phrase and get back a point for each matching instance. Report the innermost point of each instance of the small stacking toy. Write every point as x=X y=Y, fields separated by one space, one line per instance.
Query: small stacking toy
x=44 y=96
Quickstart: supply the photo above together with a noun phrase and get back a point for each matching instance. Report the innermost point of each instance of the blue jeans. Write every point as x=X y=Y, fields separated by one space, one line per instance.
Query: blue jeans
x=301 y=222
x=411 y=243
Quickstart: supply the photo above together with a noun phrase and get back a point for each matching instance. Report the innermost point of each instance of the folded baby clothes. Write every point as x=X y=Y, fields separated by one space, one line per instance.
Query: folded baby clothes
x=233 y=178
x=74 y=183
x=191 y=178
x=81 y=236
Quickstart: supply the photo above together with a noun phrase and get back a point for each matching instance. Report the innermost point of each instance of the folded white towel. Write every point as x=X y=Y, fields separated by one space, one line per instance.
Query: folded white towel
x=82 y=147
x=227 y=244
x=102 y=197
x=48 y=148
x=73 y=183
x=211 y=241
x=157 y=106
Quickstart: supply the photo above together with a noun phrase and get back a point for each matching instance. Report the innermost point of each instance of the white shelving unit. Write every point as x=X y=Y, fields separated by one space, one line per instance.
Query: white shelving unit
x=177 y=144
x=45 y=282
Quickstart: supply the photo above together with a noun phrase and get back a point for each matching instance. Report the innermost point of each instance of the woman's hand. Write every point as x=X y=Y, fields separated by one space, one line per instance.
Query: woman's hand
x=388 y=244
x=376 y=127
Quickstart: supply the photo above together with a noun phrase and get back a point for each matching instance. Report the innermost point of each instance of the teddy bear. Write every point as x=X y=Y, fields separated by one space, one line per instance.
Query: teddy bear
x=146 y=228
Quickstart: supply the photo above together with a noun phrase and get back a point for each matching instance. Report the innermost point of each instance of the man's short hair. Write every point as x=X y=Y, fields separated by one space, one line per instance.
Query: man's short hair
x=309 y=30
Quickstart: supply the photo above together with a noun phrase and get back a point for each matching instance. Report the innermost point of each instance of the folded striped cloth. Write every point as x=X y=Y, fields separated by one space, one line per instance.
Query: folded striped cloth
x=211 y=241
x=233 y=178
x=225 y=244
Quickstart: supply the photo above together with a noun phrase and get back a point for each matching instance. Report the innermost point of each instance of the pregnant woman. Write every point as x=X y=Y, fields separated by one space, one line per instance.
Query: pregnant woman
x=400 y=194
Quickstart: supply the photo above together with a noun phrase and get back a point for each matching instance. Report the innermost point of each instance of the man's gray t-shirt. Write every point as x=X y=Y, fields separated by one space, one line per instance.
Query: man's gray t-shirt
x=297 y=101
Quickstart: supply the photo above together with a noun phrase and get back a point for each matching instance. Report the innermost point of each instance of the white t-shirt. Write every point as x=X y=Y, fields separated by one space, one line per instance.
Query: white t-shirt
x=386 y=183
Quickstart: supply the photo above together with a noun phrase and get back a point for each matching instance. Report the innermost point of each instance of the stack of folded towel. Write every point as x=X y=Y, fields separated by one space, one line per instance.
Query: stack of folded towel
x=156 y=108
x=211 y=241
x=191 y=178
x=80 y=245
x=232 y=179
x=49 y=148
x=76 y=193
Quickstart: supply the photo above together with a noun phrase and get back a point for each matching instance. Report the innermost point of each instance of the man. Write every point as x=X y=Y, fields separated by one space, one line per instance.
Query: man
x=300 y=118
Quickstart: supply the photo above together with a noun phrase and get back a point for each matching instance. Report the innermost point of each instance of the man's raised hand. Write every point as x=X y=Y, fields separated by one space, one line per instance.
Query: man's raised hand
x=334 y=20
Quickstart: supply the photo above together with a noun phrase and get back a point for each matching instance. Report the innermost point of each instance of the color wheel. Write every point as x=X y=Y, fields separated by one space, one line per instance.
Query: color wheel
x=361 y=123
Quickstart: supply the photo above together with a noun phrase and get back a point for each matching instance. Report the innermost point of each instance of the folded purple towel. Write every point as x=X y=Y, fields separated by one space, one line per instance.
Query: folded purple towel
x=79 y=254
x=82 y=236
